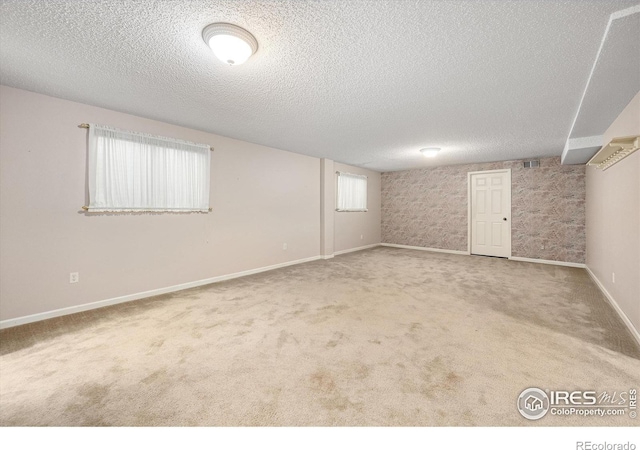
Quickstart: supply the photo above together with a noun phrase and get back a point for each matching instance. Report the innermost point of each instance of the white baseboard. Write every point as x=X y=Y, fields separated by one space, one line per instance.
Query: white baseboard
x=326 y=256
x=615 y=305
x=514 y=258
x=357 y=249
x=438 y=250
x=127 y=298
x=548 y=261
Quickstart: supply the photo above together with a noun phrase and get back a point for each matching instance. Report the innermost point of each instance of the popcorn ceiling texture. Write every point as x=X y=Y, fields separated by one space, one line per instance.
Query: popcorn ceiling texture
x=620 y=61
x=428 y=208
x=366 y=83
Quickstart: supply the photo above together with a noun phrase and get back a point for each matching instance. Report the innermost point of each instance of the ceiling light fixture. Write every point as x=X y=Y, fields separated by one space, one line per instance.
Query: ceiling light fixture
x=230 y=43
x=429 y=152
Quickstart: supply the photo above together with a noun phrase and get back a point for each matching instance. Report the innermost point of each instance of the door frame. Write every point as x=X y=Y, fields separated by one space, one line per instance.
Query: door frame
x=469 y=187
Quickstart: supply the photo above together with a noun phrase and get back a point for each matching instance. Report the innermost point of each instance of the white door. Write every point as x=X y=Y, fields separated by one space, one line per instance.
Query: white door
x=490 y=213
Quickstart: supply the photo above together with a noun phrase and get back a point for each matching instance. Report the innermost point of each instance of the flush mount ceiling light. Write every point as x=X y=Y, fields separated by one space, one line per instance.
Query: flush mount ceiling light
x=230 y=43
x=429 y=152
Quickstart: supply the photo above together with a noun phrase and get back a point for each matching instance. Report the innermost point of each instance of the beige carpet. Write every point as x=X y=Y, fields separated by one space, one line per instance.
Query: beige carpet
x=379 y=337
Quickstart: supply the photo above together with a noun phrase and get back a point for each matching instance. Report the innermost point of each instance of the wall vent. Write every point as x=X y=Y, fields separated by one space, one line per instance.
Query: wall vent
x=531 y=164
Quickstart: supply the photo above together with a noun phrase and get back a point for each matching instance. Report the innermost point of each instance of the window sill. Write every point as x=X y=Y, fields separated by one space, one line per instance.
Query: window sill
x=86 y=209
x=352 y=210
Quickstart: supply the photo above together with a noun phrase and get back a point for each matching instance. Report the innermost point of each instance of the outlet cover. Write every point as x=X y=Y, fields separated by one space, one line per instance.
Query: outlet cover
x=74 y=277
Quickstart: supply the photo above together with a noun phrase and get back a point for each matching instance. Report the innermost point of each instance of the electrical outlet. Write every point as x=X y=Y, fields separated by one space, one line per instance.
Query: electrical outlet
x=74 y=277
x=361 y=236
x=613 y=277
x=284 y=246
x=542 y=247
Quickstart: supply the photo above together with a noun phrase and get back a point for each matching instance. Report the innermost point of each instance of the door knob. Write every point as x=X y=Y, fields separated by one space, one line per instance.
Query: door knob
x=504 y=218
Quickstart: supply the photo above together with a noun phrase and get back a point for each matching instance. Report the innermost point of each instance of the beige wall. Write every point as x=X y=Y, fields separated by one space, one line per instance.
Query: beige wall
x=429 y=208
x=357 y=229
x=261 y=198
x=613 y=220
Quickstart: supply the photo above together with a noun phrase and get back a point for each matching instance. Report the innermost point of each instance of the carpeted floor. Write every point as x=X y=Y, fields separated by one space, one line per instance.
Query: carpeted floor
x=378 y=337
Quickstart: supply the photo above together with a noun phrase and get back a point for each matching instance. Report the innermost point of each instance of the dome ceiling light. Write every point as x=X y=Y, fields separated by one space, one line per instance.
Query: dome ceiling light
x=230 y=43
x=429 y=152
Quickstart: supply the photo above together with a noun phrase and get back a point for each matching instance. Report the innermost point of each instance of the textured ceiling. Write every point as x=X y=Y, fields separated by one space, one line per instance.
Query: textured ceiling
x=618 y=65
x=367 y=83
x=614 y=80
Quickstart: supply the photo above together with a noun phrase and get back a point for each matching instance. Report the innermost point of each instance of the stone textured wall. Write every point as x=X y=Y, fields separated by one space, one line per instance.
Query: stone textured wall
x=428 y=208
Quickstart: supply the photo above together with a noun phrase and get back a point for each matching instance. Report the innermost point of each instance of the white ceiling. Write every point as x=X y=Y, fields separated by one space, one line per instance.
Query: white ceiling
x=614 y=80
x=366 y=83
x=619 y=60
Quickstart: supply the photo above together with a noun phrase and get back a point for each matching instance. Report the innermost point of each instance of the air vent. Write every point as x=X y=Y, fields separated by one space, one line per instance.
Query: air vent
x=531 y=164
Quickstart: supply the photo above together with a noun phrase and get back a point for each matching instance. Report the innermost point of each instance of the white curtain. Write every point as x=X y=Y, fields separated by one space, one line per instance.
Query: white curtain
x=352 y=192
x=137 y=172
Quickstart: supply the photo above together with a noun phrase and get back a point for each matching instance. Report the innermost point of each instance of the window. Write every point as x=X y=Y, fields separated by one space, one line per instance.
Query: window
x=137 y=172
x=352 y=192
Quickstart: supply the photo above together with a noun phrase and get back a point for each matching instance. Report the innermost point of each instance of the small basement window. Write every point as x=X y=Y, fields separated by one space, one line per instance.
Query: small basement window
x=352 y=192
x=131 y=172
